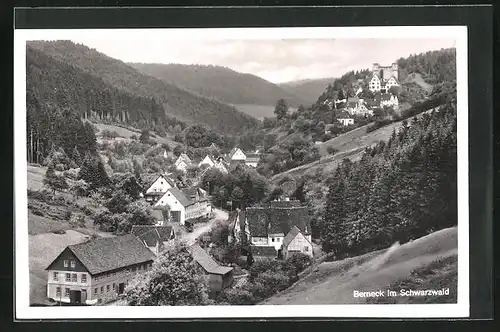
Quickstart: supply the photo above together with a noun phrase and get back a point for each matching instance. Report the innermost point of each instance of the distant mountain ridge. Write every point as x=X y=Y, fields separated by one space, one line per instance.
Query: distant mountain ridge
x=177 y=102
x=222 y=83
x=308 y=89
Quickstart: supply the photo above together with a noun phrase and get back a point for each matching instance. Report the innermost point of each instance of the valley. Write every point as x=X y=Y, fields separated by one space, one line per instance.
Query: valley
x=284 y=194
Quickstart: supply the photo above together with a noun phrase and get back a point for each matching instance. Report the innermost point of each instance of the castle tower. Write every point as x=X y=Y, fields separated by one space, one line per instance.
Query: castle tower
x=376 y=67
x=394 y=69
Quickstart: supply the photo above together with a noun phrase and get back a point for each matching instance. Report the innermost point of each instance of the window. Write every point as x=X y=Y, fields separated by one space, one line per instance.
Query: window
x=68 y=277
x=74 y=277
x=56 y=277
x=102 y=289
x=139 y=268
x=133 y=269
x=58 y=291
x=272 y=239
x=66 y=292
x=65 y=262
x=107 y=288
x=73 y=264
x=84 y=278
x=95 y=290
x=306 y=248
x=114 y=286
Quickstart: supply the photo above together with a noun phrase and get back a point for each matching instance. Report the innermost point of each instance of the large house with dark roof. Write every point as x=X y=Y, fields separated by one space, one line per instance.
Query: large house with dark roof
x=184 y=205
x=219 y=277
x=97 y=270
x=154 y=238
x=268 y=225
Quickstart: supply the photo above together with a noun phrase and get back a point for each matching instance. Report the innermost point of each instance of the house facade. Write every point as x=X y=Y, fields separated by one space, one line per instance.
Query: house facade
x=383 y=78
x=96 y=271
x=252 y=159
x=345 y=119
x=159 y=184
x=183 y=162
x=296 y=242
x=182 y=207
x=237 y=155
x=208 y=160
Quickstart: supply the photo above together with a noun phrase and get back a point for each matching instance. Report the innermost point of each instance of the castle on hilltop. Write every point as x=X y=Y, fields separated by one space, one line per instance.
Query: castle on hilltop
x=384 y=77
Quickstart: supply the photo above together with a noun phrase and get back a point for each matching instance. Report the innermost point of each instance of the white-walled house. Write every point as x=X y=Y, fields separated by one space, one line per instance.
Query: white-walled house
x=158 y=187
x=236 y=154
x=182 y=207
x=345 y=119
x=208 y=160
x=98 y=270
x=383 y=77
x=252 y=159
x=295 y=242
x=183 y=162
x=268 y=225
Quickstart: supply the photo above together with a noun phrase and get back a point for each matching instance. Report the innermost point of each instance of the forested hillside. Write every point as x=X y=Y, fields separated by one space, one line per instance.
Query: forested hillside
x=307 y=89
x=221 y=83
x=176 y=102
x=399 y=190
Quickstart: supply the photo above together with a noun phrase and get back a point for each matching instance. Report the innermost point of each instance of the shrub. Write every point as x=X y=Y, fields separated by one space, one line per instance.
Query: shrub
x=59 y=231
x=273 y=282
x=237 y=296
x=299 y=262
x=72 y=173
x=378 y=124
x=77 y=220
x=331 y=150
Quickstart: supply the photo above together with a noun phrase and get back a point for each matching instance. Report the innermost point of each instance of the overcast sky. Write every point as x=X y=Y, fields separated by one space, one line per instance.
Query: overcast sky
x=274 y=60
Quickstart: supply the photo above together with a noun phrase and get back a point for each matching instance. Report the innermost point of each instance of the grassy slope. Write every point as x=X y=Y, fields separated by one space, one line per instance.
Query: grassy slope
x=334 y=282
x=417 y=79
x=128 y=132
x=349 y=145
x=259 y=111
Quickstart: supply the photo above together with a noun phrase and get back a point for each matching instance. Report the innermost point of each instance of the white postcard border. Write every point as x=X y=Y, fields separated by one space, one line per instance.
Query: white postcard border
x=24 y=311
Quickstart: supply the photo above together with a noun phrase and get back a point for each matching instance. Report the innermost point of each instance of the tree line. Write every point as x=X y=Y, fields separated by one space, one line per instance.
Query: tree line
x=398 y=191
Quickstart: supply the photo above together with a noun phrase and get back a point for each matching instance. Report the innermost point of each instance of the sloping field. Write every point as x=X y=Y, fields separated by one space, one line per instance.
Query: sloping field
x=335 y=282
x=129 y=132
x=257 y=111
x=417 y=79
x=35 y=177
x=349 y=145
x=43 y=248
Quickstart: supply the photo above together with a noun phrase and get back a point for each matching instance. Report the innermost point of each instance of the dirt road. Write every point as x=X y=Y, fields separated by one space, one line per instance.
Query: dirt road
x=202 y=228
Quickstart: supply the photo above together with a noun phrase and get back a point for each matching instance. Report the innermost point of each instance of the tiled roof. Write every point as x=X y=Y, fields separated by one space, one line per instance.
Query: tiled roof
x=290 y=203
x=180 y=197
x=207 y=262
x=264 y=251
x=151 y=235
x=271 y=220
x=111 y=253
x=290 y=236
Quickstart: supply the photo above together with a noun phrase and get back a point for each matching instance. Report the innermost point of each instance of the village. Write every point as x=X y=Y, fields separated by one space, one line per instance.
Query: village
x=99 y=270
x=172 y=185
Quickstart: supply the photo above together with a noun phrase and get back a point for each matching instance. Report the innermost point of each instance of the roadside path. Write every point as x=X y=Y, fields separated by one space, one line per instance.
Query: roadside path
x=202 y=228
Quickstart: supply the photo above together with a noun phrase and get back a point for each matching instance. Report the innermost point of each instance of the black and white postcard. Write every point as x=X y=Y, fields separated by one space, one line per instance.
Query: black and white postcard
x=241 y=172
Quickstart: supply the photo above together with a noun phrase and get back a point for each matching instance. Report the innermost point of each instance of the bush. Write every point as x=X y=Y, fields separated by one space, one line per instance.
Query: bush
x=378 y=124
x=273 y=282
x=299 y=262
x=60 y=167
x=331 y=150
x=43 y=195
x=72 y=173
x=237 y=296
x=77 y=220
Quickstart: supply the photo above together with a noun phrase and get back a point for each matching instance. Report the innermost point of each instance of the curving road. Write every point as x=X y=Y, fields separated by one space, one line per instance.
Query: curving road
x=202 y=228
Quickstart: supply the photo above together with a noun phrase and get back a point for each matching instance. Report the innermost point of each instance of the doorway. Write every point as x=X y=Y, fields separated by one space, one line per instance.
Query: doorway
x=75 y=296
x=121 y=288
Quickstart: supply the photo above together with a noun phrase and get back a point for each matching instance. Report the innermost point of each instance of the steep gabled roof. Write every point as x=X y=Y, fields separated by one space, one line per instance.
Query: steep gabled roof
x=207 y=262
x=151 y=235
x=150 y=179
x=233 y=151
x=290 y=236
x=180 y=197
x=106 y=254
x=272 y=220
